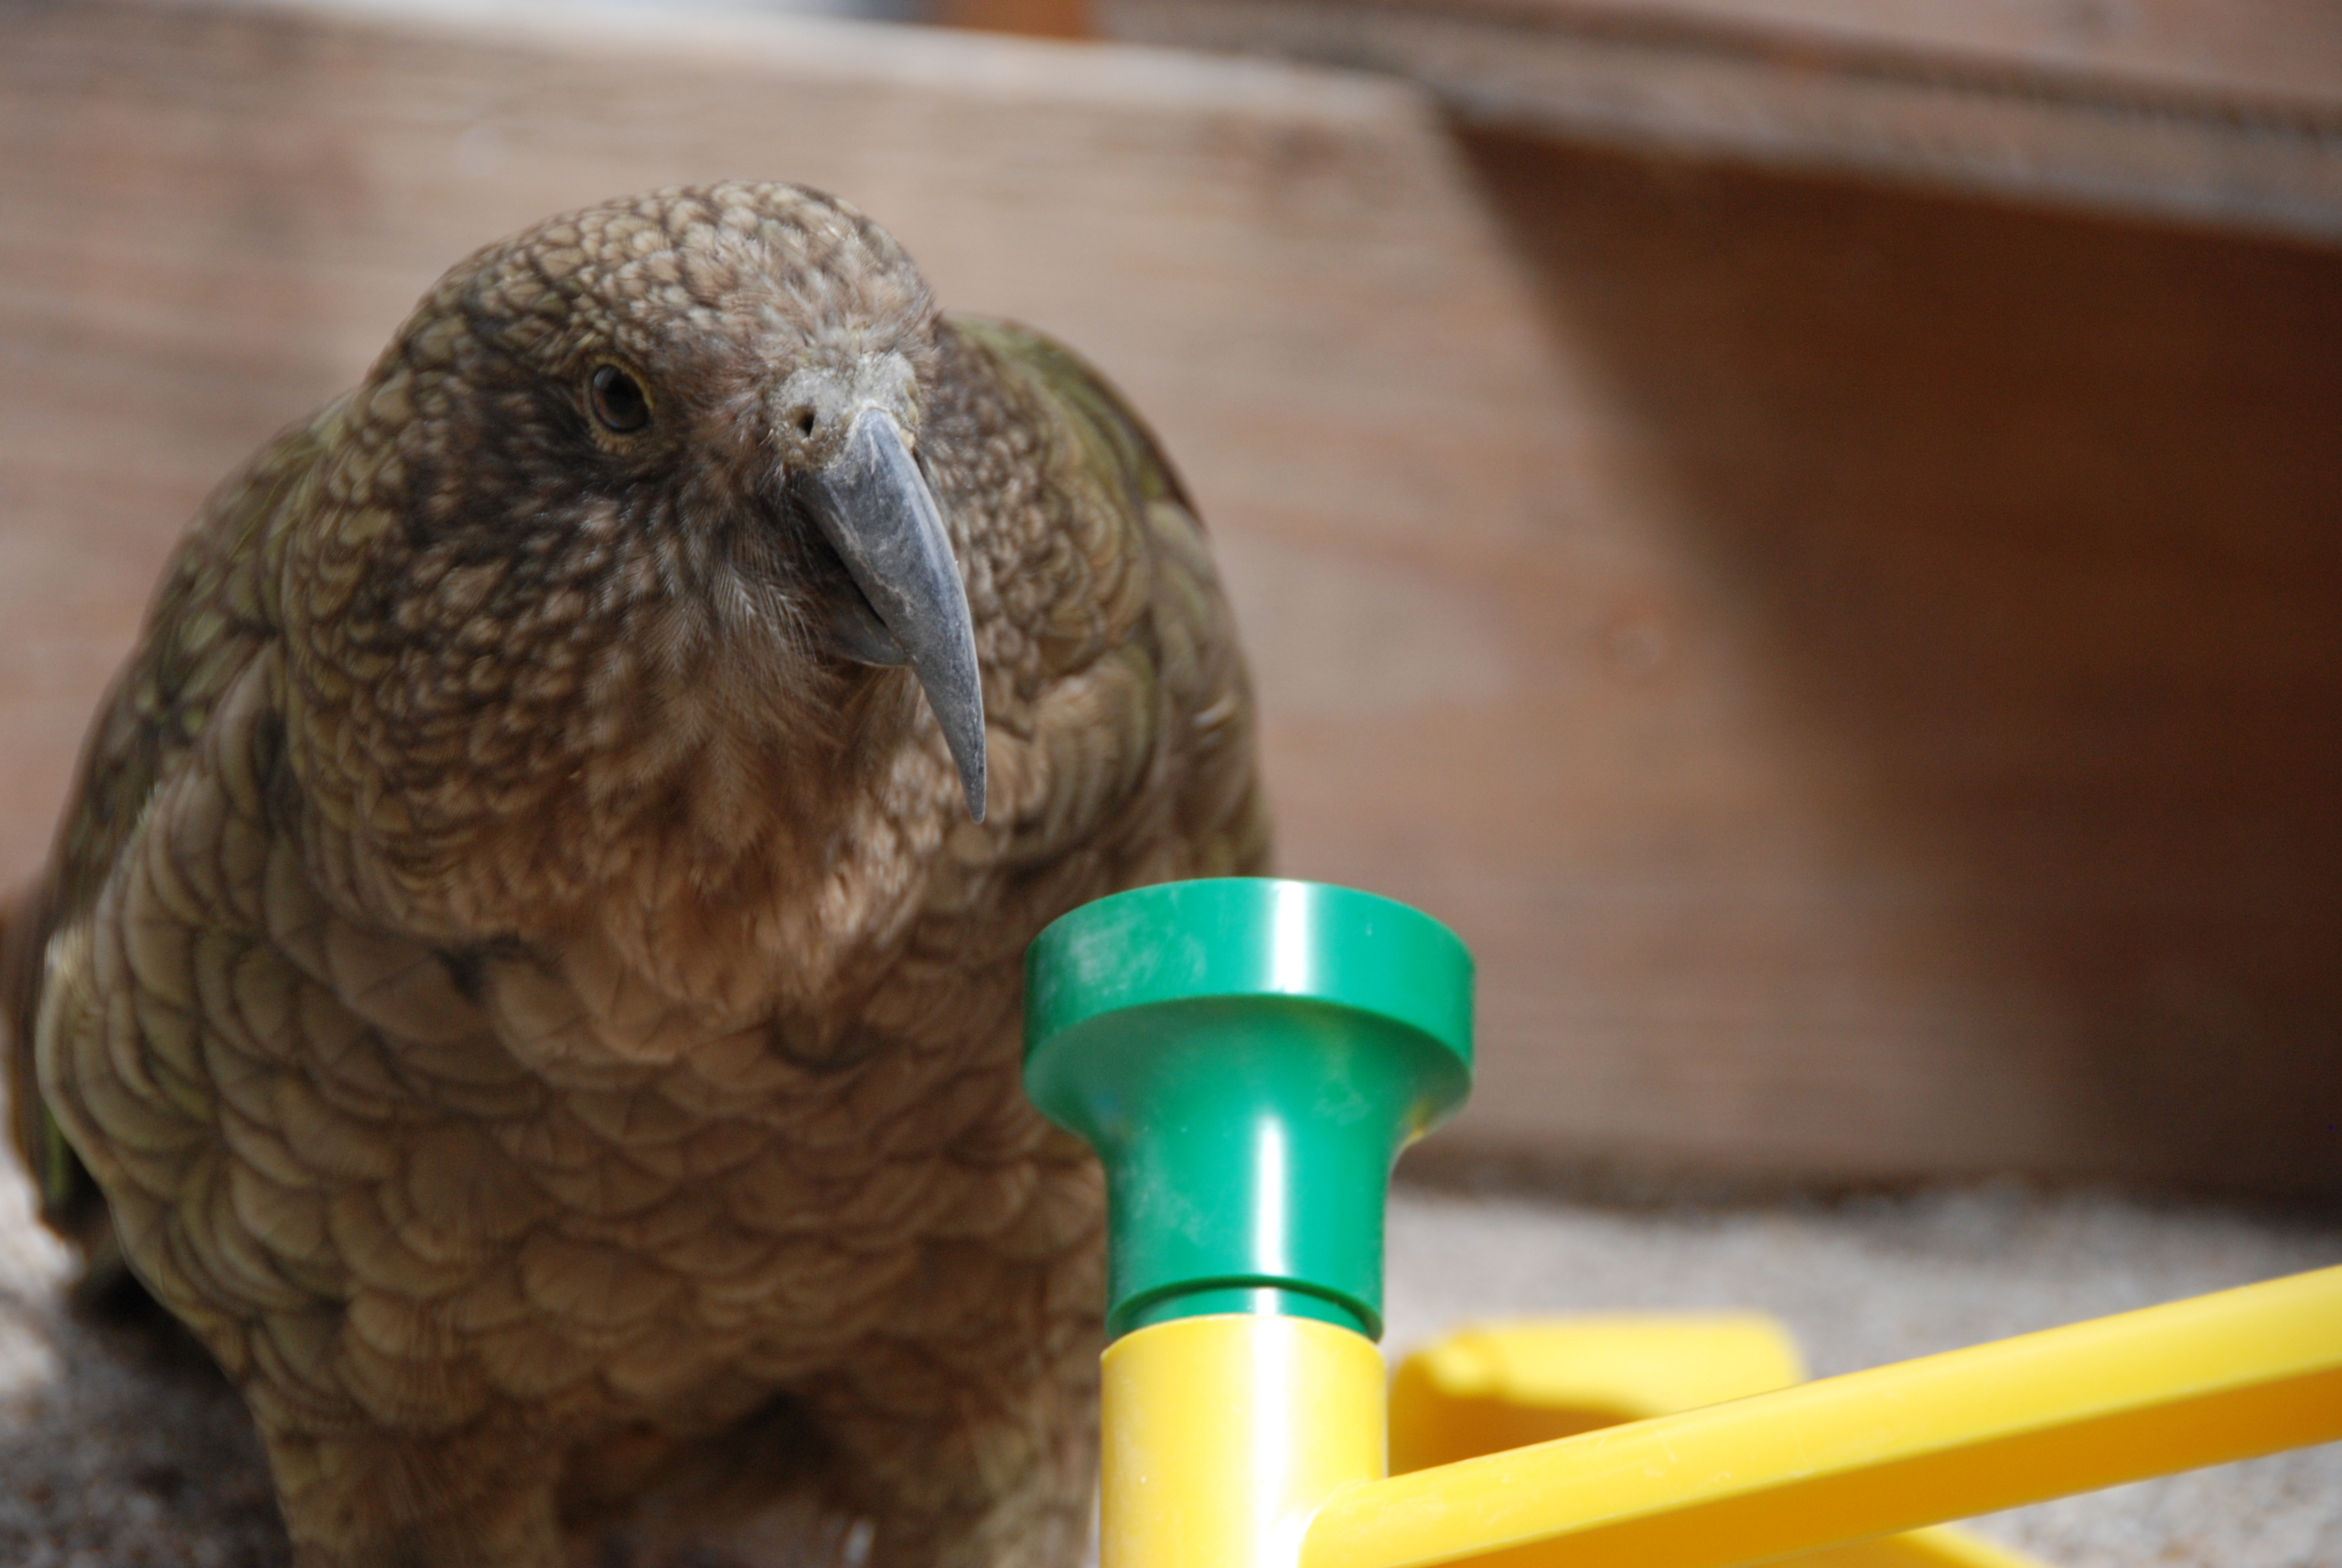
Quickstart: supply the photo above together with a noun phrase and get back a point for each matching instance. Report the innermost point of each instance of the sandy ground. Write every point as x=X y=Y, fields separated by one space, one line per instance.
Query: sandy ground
x=114 y=1452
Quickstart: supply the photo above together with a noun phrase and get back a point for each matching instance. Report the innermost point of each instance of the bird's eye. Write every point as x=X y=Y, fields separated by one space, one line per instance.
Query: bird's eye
x=618 y=400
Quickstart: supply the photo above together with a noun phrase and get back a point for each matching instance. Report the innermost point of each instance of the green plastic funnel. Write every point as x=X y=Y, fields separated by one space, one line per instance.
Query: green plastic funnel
x=1247 y=1057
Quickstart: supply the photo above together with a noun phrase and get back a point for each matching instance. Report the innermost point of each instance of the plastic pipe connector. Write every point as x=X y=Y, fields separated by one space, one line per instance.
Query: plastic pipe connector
x=1247 y=1057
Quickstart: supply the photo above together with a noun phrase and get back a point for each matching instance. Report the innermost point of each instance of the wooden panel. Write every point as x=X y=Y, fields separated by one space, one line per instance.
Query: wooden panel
x=2227 y=113
x=2013 y=538
x=1861 y=671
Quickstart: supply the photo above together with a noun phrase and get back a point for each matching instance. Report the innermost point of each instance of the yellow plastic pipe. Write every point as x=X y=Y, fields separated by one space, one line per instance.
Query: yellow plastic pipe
x=1505 y=1385
x=2202 y=1382
x=1495 y=1386
x=1224 y=1435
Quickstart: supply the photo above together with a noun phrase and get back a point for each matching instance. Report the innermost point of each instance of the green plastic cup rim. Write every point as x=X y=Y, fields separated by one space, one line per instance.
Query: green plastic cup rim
x=1111 y=954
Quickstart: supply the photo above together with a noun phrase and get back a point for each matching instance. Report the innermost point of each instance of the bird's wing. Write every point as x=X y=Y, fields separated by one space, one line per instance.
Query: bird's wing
x=211 y=615
x=1180 y=675
x=1085 y=395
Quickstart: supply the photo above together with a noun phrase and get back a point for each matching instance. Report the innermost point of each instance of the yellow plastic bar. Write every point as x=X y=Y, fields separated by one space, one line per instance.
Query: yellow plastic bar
x=2203 y=1381
x=1223 y=1435
x=1504 y=1385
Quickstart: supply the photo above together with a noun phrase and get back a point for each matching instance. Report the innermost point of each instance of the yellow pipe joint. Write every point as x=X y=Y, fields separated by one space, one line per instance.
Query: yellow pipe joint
x=1225 y=1435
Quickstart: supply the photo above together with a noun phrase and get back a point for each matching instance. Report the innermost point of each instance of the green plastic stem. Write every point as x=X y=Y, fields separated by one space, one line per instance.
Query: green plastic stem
x=1247 y=1057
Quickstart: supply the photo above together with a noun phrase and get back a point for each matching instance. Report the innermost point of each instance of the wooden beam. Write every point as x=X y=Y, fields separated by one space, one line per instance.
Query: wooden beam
x=2229 y=115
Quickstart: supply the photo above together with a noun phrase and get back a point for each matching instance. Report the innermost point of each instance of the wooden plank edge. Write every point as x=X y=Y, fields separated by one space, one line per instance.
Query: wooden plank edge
x=2134 y=149
x=1087 y=73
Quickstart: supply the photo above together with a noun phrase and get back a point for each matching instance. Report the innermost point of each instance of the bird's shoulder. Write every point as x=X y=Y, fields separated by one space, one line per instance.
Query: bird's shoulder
x=1078 y=514
x=214 y=610
x=211 y=615
x=1081 y=393
x=1138 y=717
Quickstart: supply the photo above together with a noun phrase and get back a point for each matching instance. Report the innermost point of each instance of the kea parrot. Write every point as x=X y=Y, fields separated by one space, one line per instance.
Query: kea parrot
x=529 y=972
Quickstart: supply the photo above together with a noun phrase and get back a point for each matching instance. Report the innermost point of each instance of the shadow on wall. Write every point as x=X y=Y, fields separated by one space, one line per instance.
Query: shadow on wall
x=2039 y=519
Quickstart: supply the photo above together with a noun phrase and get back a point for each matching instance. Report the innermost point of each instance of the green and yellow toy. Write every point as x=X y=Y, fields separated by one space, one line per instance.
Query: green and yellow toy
x=1249 y=1057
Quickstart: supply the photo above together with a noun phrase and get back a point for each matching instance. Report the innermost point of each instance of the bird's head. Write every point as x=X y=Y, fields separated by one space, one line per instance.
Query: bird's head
x=631 y=518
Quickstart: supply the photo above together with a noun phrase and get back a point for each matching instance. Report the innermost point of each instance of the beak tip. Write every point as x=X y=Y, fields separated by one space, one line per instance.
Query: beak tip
x=971 y=781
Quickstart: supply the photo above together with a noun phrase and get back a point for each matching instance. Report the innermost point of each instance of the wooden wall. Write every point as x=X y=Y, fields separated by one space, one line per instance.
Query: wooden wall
x=1998 y=664
x=1861 y=669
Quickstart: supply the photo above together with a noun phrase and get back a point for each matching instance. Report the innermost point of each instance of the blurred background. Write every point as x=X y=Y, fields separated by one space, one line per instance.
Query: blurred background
x=1808 y=531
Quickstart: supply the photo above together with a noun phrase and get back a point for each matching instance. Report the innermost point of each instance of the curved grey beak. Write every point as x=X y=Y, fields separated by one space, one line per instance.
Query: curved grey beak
x=873 y=507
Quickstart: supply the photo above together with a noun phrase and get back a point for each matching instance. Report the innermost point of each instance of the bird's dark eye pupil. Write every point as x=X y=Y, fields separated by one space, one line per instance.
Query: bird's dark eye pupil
x=618 y=400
